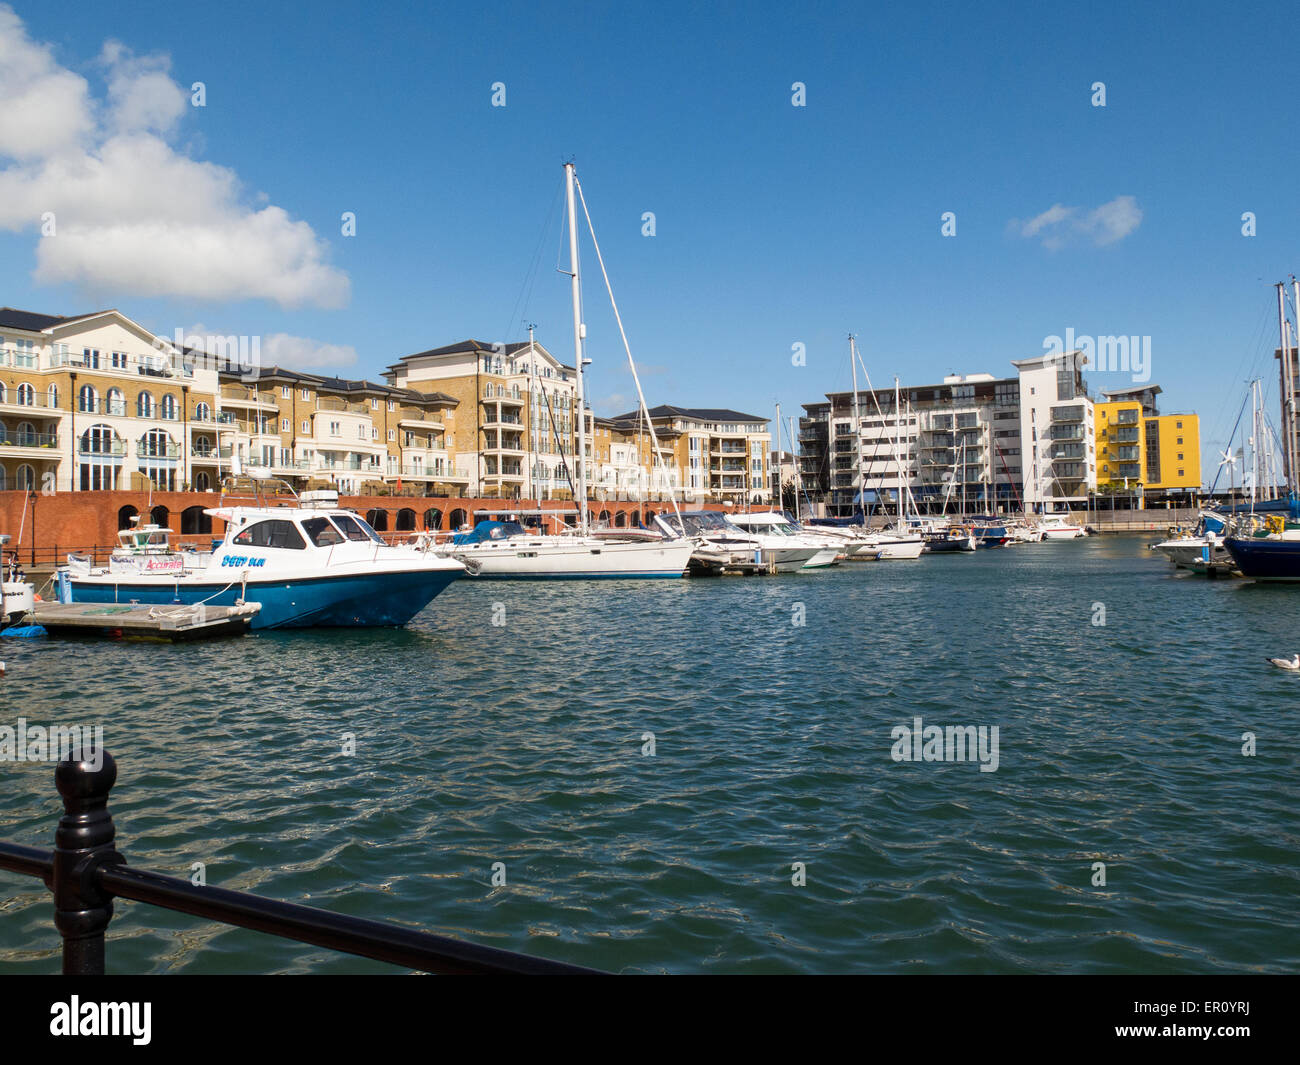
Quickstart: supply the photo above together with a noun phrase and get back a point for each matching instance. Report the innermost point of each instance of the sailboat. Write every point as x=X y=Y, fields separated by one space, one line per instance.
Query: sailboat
x=505 y=550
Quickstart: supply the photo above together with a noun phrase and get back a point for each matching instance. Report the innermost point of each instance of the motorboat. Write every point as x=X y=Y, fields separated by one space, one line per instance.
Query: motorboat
x=306 y=560
x=17 y=596
x=774 y=531
x=719 y=545
x=946 y=538
x=1060 y=527
x=506 y=550
x=1204 y=543
x=749 y=547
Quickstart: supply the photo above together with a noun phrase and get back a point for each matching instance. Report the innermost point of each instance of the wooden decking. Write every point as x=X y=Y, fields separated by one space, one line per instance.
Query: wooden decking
x=171 y=622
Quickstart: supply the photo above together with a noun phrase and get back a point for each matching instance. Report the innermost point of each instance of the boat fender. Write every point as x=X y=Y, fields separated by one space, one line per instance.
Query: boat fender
x=24 y=632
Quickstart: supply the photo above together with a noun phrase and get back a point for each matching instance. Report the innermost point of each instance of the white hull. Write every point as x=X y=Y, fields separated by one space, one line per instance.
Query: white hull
x=1190 y=551
x=523 y=558
x=15 y=601
x=1065 y=533
x=900 y=550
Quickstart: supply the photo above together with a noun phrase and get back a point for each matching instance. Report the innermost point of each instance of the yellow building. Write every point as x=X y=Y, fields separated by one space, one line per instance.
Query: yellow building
x=1140 y=449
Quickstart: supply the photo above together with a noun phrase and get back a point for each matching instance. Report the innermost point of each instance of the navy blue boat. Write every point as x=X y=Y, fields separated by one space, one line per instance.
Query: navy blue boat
x=1266 y=559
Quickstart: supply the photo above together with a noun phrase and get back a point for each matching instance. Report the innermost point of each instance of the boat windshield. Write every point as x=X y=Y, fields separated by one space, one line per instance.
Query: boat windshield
x=355 y=528
x=699 y=523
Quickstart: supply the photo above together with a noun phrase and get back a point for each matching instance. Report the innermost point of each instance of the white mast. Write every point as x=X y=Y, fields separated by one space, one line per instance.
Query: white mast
x=898 y=456
x=857 y=431
x=579 y=336
x=798 y=473
x=780 y=500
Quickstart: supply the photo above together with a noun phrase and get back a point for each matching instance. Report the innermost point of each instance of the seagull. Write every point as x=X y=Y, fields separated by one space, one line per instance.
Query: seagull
x=1286 y=663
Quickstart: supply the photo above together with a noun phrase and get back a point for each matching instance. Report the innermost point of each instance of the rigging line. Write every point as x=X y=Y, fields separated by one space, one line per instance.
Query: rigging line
x=636 y=378
x=534 y=265
x=1230 y=440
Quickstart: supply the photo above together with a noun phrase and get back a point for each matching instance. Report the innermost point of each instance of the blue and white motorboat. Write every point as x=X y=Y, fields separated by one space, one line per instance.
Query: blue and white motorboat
x=308 y=562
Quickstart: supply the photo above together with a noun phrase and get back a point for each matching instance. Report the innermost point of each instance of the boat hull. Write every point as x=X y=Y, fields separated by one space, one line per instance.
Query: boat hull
x=1266 y=560
x=355 y=600
x=503 y=560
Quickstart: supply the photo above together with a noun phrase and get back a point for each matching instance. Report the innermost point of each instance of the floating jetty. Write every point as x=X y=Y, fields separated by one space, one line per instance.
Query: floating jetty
x=175 y=622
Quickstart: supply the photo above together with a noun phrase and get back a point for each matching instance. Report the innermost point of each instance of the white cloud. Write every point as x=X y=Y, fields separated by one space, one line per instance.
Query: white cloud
x=274 y=349
x=133 y=213
x=300 y=353
x=1060 y=225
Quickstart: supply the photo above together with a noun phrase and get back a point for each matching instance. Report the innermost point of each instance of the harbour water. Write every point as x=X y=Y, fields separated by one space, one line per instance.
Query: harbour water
x=509 y=724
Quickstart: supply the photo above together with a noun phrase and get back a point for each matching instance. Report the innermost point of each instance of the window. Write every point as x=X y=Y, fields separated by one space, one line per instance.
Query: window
x=1180 y=441
x=322 y=533
x=306 y=393
x=87 y=399
x=374 y=433
x=52 y=394
x=118 y=360
x=361 y=432
x=306 y=428
x=286 y=392
x=90 y=358
x=335 y=428
x=356 y=529
x=202 y=413
x=26 y=478
x=26 y=395
x=144 y=405
x=392 y=435
x=374 y=404
x=116 y=403
x=168 y=408
x=282 y=535
x=392 y=406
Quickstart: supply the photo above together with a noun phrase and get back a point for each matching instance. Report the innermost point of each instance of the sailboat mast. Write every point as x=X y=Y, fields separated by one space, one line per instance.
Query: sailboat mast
x=898 y=451
x=579 y=335
x=780 y=499
x=798 y=473
x=857 y=431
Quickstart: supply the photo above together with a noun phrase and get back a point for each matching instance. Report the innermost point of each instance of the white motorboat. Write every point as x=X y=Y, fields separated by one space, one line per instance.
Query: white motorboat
x=1203 y=544
x=775 y=532
x=17 y=596
x=1060 y=527
x=506 y=550
x=718 y=544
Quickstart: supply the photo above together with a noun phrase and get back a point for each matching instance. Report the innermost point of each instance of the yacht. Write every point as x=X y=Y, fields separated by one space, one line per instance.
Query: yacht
x=506 y=550
x=17 y=597
x=1060 y=527
x=1203 y=544
x=775 y=531
x=718 y=545
x=307 y=561
x=773 y=551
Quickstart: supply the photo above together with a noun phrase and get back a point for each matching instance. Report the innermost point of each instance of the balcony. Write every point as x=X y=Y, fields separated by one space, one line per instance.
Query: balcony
x=1126 y=436
x=1127 y=417
x=14 y=400
x=145 y=450
x=232 y=396
x=335 y=404
x=1068 y=451
x=117 y=449
x=1072 y=413
x=1065 y=432
x=27 y=441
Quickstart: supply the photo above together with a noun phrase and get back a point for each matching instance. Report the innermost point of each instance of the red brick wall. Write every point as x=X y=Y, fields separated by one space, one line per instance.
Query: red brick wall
x=78 y=521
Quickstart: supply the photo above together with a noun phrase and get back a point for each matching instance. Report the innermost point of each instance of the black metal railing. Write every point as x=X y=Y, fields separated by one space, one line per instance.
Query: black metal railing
x=86 y=873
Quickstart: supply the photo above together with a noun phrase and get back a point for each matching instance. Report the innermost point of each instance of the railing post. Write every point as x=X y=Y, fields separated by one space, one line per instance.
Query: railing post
x=82 y=843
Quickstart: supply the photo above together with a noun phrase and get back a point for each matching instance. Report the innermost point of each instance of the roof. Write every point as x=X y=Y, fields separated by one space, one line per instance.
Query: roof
x=701 y=414
x=32 y=322
x=1136 y=390
x=473 y=347
x=338 y=384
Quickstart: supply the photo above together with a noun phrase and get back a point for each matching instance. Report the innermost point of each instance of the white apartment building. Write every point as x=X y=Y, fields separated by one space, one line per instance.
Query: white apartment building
x=1056 y=430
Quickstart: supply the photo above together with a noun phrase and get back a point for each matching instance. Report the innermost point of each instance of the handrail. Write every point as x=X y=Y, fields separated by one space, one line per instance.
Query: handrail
x=85 y=872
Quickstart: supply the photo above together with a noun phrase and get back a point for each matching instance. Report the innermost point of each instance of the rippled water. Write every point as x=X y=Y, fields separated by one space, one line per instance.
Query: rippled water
x=522 y=743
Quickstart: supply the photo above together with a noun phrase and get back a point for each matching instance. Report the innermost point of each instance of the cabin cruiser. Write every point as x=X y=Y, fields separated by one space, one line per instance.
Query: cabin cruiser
x=775 y=532
x=718 y=544
x=1203 y=544
x=1060 y=527
x=17 y=597
x=857 y=544
x=942 y=538
x=307 y=561
x=506 y=550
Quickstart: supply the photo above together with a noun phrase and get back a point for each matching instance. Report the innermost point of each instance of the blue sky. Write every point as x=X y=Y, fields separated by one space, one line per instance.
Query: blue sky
x=775 y=224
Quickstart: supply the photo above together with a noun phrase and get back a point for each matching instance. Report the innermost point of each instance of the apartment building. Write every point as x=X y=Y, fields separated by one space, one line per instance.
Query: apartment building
x=953 y=445
x=358 y=437
x=720 y=455
x=1057 y=432
x=1143 y=453
x=96 y=401
x=516 y=422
